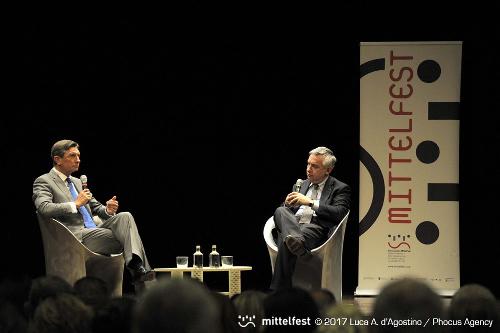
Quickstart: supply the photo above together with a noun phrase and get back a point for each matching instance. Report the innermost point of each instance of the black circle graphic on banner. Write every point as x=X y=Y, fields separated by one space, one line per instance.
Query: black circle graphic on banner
x=427 y=232
x=429 y=71
x=369 y=162
x=427 y=151
x=378 y=190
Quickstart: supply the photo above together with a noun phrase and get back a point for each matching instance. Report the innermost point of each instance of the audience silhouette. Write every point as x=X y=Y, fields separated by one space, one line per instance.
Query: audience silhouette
x=324 y=298
x=474 y=302
x=92 y=291
x=115 y=315
x=291 y=303
x=404 y=304
x=63 y=313
x=44 y=287
x=177 y=306
x=250 y=303
x=52 y=305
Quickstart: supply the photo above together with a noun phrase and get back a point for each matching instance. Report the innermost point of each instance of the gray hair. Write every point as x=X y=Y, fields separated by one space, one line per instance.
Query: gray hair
x=60 y=147
x=330 y=159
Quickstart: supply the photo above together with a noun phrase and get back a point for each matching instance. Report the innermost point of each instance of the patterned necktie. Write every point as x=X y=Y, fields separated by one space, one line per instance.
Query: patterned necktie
x=87 y=219
x=307 y=212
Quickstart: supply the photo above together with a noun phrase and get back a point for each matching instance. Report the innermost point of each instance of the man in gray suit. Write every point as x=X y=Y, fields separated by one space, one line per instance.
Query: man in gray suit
x=308 y=214
x=60 y=196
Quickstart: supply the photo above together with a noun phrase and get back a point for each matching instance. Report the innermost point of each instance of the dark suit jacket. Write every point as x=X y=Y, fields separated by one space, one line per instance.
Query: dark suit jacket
x=51 y=197
x=334 y=202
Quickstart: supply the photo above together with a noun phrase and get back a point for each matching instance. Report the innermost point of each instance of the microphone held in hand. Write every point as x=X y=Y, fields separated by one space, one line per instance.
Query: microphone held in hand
x=83 y=178
x=298 y=184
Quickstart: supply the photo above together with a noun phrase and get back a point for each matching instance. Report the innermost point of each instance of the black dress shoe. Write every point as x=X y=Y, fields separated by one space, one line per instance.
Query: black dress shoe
x=141 y=274
x=295 y=245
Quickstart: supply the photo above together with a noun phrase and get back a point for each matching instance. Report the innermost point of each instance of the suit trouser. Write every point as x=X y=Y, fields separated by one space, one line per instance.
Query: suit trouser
x=286 y=223
x=116 y=234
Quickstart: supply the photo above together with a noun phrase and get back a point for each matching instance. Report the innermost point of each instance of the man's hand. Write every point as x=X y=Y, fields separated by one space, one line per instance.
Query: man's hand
x=112 y=206
x=295 y=199
x=83 y=198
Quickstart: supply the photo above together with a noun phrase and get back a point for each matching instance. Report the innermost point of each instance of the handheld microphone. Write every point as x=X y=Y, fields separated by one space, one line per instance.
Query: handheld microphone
x=297 y=185
x=83 y=178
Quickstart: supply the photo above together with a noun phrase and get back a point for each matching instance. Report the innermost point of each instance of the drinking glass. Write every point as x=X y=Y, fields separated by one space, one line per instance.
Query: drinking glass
x=182 y=262
x=227 y=261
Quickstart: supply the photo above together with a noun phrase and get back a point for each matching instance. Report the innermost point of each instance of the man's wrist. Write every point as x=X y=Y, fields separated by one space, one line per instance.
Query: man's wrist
x=74 y=208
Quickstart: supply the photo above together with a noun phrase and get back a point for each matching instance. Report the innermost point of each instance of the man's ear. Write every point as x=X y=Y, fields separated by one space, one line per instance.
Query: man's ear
x=57 y=159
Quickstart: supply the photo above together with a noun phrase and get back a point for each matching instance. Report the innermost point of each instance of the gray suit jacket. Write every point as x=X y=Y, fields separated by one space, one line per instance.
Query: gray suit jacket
x=52 y=197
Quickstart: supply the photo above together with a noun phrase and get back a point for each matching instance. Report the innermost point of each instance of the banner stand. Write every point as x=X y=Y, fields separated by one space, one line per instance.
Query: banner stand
x=409 y=172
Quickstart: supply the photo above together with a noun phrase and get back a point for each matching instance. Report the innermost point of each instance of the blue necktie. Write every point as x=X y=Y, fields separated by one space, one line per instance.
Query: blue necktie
x=87 y=219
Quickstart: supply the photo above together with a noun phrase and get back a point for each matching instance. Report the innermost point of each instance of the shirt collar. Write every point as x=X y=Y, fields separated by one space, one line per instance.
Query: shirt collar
x=60 y=174
x=320 y=185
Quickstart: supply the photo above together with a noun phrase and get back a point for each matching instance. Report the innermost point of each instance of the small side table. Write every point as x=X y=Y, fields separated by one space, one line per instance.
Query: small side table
x=197 y=273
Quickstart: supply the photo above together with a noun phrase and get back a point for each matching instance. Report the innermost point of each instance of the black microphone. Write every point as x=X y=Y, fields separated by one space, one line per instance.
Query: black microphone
x=83 y=178
x=298 y=184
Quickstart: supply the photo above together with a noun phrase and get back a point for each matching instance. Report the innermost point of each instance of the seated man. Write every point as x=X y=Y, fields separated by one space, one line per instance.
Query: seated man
x=60 y=196
x=308 y=215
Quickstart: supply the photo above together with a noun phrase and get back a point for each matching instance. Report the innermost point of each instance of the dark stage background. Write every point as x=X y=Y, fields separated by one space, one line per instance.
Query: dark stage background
x=201 y=131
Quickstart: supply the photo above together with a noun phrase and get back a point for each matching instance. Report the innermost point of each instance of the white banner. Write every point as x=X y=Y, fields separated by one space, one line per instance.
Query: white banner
x=409 y=137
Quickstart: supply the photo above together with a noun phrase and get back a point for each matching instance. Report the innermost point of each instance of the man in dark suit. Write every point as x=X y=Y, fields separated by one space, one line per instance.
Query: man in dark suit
x=308 y=215
x=60 y=196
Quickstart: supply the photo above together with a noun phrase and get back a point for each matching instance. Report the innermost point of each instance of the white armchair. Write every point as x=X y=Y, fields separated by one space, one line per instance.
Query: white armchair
x=68 y=258
x=323 y=268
